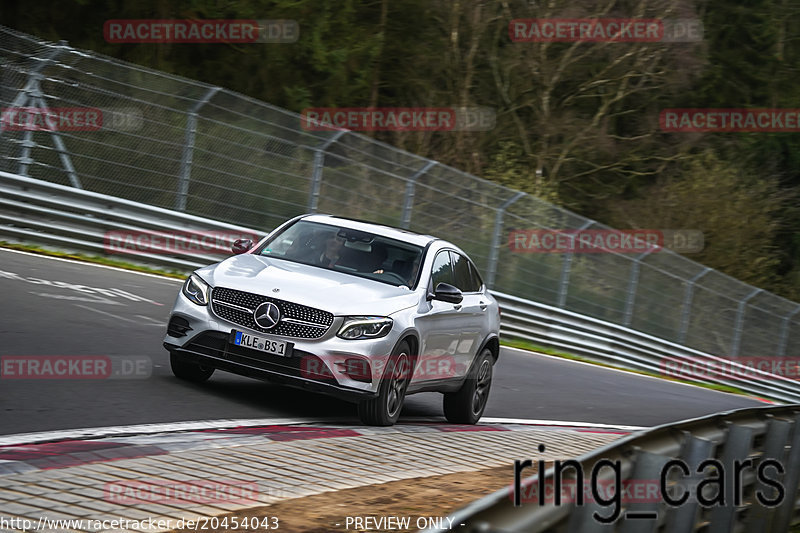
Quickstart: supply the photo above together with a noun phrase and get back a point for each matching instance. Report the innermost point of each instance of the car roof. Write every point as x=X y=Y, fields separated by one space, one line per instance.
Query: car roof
x=370 y=227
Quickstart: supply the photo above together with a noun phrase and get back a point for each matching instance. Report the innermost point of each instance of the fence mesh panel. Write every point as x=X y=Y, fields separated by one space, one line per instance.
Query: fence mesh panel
x=185 y=145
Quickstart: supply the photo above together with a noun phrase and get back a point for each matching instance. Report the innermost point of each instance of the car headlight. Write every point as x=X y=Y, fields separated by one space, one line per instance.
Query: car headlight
x=196 y=290
x=365 y=327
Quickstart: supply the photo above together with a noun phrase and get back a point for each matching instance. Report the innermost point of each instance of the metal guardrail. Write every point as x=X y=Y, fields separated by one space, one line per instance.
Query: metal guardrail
x=48 y=213
x=180 y=144
x=40 y=211
x=606 y=342
x=752 y=450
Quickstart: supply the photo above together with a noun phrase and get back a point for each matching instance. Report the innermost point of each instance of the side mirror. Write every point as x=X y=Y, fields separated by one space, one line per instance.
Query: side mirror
x=447 y=293
x=240 y=246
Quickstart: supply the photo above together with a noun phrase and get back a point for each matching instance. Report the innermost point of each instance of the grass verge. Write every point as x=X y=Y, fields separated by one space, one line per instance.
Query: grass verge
x=96 y=259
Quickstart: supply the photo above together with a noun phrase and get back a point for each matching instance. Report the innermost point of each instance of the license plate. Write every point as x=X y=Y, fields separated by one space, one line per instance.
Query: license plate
x=254 y=342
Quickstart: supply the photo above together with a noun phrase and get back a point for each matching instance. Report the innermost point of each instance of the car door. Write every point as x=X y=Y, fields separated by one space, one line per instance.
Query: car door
x=439 y=325
x=473 y=309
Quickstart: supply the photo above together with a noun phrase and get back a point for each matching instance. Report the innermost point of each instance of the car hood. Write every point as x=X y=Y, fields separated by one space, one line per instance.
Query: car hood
x=336 y=292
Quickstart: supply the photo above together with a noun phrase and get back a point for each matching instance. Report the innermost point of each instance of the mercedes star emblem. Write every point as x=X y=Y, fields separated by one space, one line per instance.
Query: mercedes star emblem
x=267 y=315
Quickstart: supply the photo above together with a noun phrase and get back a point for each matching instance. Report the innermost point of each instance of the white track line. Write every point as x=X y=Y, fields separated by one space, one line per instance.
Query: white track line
x=77 y=262
x=199 y=425
x=560 y=423
x=143 y=429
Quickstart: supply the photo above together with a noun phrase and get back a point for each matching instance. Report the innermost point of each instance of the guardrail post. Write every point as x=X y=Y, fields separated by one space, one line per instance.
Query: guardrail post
x=783 y=516
x=784 y=338
x=494 y=251
x=738 y=442
x=316 y=173
x=408 y=203
x=648 y=467
x=695 y=451
x=686 y=309
x=188 y=149
x=632 y=285
x=566 y=267
x=760 y=517
x=737 y=328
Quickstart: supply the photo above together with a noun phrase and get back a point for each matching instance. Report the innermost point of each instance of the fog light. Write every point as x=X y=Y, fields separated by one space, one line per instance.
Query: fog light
x=178 y=327
x=356 y=369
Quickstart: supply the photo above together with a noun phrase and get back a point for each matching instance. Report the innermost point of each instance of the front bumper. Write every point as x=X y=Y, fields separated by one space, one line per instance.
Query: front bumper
x=315 y=364
x=211 y=349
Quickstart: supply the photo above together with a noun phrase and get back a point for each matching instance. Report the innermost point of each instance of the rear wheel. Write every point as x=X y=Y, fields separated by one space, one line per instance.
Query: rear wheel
x=466 y=405
x=188 y=370
x=384 y=409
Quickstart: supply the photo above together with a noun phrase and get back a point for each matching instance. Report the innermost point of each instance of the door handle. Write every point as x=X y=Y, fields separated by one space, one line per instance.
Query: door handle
x=483 y=306
x=457 y=307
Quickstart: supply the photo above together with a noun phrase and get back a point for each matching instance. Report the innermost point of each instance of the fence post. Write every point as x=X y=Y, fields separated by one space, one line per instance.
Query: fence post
x=316 y=173
x=494 y=251
x=34 y=75
x=32 y=91
x=632 y=285
x=686 y=309
x=25 y=160
x=188 y=149
x=737 y=328
x=566 y=267
x=784 y=338
x=408 y=203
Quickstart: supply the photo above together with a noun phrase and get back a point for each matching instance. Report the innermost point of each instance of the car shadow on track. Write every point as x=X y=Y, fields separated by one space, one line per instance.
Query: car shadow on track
x=282 y=401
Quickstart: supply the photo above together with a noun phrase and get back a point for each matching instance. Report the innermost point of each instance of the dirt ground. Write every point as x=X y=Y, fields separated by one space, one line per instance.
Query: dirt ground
x=435 y=496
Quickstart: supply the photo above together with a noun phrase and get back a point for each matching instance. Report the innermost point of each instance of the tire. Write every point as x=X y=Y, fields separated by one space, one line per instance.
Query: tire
x=384 y=409
x=189 y=371
x=466 y=405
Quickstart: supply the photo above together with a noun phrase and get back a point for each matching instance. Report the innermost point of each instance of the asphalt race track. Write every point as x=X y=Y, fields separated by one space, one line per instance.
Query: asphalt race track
x=54 y=307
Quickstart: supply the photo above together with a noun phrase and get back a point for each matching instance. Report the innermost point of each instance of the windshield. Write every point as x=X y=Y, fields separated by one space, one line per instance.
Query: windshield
x=347 y=250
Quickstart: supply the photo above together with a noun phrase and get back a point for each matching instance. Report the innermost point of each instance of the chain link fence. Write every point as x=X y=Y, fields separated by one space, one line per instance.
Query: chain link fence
x=207 y=151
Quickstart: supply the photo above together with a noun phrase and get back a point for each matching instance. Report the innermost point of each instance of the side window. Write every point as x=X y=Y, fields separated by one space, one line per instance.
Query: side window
x=475 y=276
x=442 y=271
x=465 y=279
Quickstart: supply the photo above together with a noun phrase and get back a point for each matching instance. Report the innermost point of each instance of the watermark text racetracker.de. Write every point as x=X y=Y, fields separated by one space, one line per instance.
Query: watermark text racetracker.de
x=70 y=119
x=771 y=120
x=207 y=491
x=51 y=119
x=426 y=367
x=606 y=30
x=173 y=242
x=594 y=241
x=187 y=31
x=75 y=367
x=398 y=119
x=740 y=368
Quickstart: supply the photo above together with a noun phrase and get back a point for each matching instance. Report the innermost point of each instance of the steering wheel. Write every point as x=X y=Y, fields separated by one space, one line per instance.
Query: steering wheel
x=396 y=276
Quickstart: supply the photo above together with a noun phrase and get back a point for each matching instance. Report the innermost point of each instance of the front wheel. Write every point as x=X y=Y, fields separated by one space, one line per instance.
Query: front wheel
x=466 y=405
x=189 y=371
x=384 y=409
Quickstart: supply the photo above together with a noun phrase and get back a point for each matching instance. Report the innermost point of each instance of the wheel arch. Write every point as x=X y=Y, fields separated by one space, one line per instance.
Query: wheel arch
x=493 y=343
x=413 y=344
